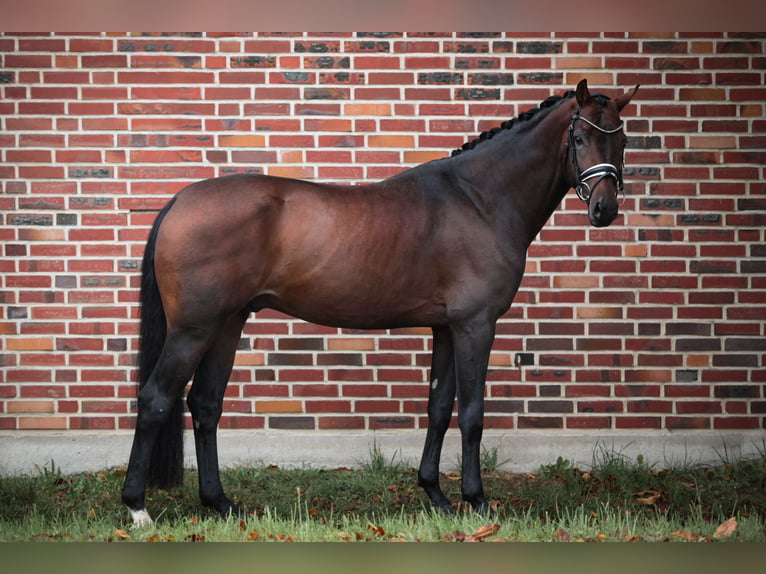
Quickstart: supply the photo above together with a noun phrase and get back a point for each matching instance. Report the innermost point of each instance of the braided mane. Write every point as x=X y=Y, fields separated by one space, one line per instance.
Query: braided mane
x=508 y=124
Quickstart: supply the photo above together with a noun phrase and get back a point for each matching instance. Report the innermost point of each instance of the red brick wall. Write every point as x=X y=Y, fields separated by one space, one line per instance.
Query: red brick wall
x=656 y=322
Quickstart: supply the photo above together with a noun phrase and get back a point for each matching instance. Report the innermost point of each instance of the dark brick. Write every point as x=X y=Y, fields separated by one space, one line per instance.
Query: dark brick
x=687 y=376
x=479 y=34
x=314 y=47
x=66 y=219
x=753 y=267
x=42 y=220
x=550 y=391
x=296 y=77
x=716 y=267
x=753 y=47
x=751 y=204
x=541 y=78
x=736 y=391
x=440 y=78
x=392 y=422
x=478 y=94
x=541 y=422
x=538 y=48
x=524 y=359
x=17 y=312
x=326 y=94
x=696 y=345
x=551 y=407
x=735 y=361
x=66 y=282
x=378 y=34
x=291 y=423
x=687 y=423
x=665 y=47
x=737 y=344
x=301 y=344
x=657 y=203
x=504 y=406
x=354 y=359
x=490 y=79
x=290 y=359
x=699 y=329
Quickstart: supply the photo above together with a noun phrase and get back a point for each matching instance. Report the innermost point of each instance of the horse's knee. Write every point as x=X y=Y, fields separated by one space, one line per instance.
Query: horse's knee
x=153 y=407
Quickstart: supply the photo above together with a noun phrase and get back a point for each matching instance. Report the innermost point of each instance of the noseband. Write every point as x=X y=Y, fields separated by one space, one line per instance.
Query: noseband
x=600 y=170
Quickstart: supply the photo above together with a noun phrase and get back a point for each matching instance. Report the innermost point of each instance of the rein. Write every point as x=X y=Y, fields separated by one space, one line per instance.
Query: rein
x=601 y=170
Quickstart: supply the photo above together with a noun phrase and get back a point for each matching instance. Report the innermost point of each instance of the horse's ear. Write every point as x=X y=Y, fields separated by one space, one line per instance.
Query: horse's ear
x=622 y=101
x=583 y=93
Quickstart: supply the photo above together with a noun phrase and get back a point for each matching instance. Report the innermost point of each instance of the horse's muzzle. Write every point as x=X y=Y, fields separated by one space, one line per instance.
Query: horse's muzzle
x=602 y=209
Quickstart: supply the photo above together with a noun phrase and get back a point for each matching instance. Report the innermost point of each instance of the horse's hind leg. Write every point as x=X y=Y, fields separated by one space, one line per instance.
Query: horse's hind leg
x=441 y=401
x=180 y=354
x=205 y=402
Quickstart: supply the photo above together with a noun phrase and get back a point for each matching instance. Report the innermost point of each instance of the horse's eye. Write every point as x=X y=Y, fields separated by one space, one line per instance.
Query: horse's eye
x=579 y=141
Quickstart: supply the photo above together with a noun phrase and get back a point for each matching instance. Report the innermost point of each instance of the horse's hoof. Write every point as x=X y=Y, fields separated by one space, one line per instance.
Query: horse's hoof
x=231 y=510
x=141 y=518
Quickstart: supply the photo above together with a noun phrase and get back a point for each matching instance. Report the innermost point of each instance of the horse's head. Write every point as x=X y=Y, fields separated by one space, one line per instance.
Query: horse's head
x=595 y=146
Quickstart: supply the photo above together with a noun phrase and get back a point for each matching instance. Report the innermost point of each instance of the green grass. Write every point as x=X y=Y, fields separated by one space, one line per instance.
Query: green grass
x=615 y=500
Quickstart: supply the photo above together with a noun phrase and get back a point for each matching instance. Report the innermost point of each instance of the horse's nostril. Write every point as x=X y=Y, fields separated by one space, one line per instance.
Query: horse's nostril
x=597 y=210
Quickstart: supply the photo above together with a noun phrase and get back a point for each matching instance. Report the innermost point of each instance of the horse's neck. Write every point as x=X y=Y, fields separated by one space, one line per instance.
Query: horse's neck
x=519 y=176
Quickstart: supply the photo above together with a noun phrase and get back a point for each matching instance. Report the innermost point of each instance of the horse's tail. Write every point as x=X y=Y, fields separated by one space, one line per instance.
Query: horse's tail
x=166 y=467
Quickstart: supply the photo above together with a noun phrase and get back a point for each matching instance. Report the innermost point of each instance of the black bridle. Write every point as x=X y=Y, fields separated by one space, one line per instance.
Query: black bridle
x=600 y=170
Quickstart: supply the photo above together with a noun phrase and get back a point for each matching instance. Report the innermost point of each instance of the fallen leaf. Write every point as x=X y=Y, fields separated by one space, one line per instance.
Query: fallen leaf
x=455 y=536
x=122 y=534
x=648 y=500
x=484 y=532
x=726 y=529
x=687 y=535
x=194 y=537
x=376 y=530
x=563 y=535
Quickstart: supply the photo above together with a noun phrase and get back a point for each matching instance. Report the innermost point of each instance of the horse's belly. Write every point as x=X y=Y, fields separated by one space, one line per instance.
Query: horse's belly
x=353 y=310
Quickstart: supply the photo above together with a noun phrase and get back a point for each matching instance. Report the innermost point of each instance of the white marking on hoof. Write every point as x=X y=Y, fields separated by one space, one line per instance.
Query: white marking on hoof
x=141 y=518
x=435 y=383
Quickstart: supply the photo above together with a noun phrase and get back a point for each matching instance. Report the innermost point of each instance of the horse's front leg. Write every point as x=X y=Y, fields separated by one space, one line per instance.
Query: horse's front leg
x=472 y=342
x=441 y=400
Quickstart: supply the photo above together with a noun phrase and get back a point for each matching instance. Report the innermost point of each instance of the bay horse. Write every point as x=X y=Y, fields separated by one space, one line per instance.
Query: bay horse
x=441 y=245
